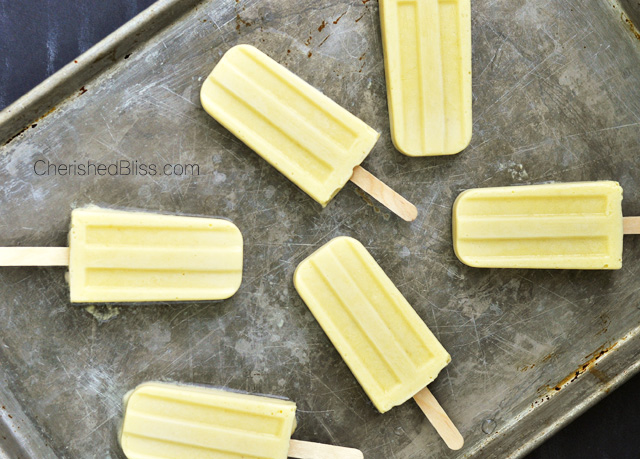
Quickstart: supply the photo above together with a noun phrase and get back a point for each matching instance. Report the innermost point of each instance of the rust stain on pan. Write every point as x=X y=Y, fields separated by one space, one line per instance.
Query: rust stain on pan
x=592 y=360
x=546 y=392
x=632 y=27
x=325 y=39
x=629 y=23
x=547 y=357
x=32 y=125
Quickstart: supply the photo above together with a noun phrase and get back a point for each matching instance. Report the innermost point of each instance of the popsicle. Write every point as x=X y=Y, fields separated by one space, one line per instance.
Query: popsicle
x=123 y=256
x=164 y=420
x=387 y=346
x=309 y=138
x=553 y=226
x=427 y=60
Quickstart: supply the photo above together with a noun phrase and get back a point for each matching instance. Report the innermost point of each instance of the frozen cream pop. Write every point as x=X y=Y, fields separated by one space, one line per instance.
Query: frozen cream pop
x=310 y=139
x=164 y=420
x=387 y=346
x=121 y=256
x=427 y=60
x=553 y=226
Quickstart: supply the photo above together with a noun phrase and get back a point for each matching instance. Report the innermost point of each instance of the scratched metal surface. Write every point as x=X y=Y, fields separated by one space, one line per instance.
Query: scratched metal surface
x=556 y=98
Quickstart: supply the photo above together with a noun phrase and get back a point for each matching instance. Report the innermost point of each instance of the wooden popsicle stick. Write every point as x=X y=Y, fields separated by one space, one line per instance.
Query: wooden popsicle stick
x=34 y=256
x=384 y=194
x=631 y=225
x=439 y=419
x=308 y=450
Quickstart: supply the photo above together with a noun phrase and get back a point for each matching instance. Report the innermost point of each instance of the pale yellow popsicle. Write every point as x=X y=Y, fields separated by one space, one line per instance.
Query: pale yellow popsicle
x=305 y=135
x=121 y=256
x=560 y=225
x=387 y=346
x=427 y=55
x=178 y=421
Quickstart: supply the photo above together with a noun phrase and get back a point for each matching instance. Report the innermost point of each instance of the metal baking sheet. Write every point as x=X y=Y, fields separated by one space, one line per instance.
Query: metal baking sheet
x=556 y=98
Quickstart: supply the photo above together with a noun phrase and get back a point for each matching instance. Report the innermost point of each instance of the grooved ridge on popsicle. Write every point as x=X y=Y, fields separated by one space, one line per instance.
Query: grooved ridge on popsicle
x=522 y=205
x=342 y=134
x=175 y=448
x=249 y=94
x=352 y=321
x=205 y=411
x=162 y=236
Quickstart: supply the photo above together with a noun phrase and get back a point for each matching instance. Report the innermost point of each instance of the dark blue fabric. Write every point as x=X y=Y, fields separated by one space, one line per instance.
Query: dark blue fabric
x=37 y=37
